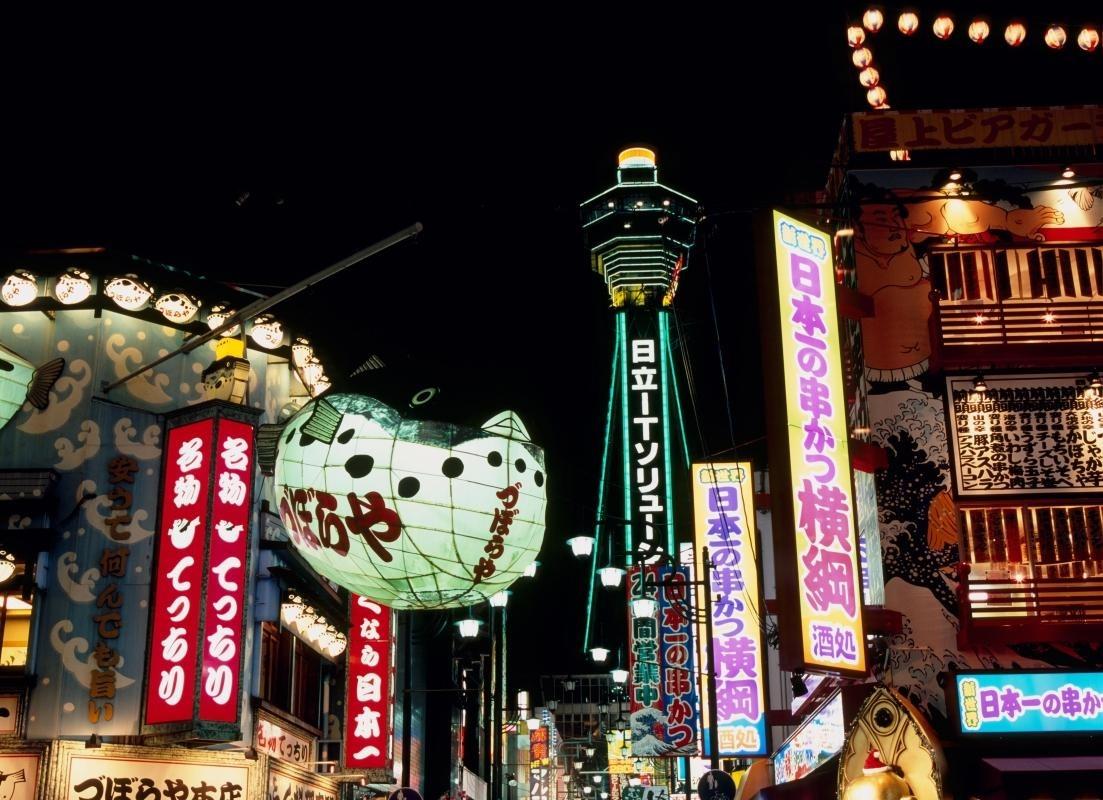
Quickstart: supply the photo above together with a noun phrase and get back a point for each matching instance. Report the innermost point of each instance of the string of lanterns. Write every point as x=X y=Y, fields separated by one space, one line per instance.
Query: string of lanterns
x=134 y=294
x=311 y=627
x=908 y=24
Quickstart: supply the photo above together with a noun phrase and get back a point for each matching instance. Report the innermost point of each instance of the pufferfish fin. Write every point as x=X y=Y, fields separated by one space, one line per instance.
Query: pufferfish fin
x=268 y=444
x=507 y=425
x=324 y=421
x=42 y=381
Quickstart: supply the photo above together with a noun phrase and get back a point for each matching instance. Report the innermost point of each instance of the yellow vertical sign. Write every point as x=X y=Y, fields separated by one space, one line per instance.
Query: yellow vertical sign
x=828 y=573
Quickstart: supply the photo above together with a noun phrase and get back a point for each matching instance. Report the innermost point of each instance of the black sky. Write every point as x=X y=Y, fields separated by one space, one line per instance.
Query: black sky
x=259 y=150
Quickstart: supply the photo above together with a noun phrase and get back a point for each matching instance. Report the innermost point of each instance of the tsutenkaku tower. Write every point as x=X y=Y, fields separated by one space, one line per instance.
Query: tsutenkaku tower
x=639 y=233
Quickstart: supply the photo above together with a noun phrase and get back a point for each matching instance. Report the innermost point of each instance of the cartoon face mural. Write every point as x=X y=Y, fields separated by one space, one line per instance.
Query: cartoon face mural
x=410 y=513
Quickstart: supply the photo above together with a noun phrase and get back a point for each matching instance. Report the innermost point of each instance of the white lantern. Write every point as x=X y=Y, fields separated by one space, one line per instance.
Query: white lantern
x=413 y=503
x=129 y=292
x=469 y=628
x=1014 y=34
x=877 y=96
x=644 y=607
x=500 y=599
x=599 y=654
x=619 y=675
x=1056 y=37
x=7 y=565
x=530 y=570
x=611 y=576
x=73 y=286
x=869 y=77
x=943 y=26
x=581 y=546
x=855 y=35
x=873 y=19
x=177 y=307
x=267 y=332
x=908 y=23
x=218 y=314
x=861 y=57
x=1088 y=39
x=312 y=371
x=301 y=351
x=19 y=289
x=978 y=30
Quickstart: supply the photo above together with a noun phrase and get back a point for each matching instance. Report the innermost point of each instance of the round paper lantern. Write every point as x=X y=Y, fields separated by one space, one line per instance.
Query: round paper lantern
x=1014 y=34
x=908 y=23
x=877 y=96
x=943 y=26
x=411 y=513
x=869 y=77
x=1088 y=39
x=855 y=35
x=873 y=19
x=861 y=57
x=1056 y=37
x=978 y=30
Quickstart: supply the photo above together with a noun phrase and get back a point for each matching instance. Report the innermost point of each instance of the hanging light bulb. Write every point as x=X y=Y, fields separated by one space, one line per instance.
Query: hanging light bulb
x=581 y=546
x=1094 y=381
x=873 y=19
x=1088 y=39
x=469 y=628
x=644 y=607
x=855 y=35
x=619 y=675
x=219 y=313
x=907 y=23
x=861 y=57
x=177 y=307
x=877 y=96
x=500 y=599
x=20 y=288
x=869 y=77
x=530 y=570
x=979 y=30
x=1014 y=34
x=611 y=576
x=980 y=385
x=73 y=286
x=943 y=26
x=599 y=654
x=1056 y=37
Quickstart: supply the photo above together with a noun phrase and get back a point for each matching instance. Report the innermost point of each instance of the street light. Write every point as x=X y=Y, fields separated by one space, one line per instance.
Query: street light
x=644 y=607
x=469 y=628
x=597 y=780
x=500 y=599
x=619 y=675
x=530 y=570
x=568 y=685
x=611 y=576
x=589 y=750
x=533 y=723
x=581 y=546
x=599 y=654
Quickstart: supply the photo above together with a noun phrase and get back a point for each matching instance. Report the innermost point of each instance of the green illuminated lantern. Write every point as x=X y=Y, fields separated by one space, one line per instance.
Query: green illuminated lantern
x=410 y=513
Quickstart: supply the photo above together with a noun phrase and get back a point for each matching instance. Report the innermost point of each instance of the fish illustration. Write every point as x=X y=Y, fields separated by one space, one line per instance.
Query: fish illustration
x=20 y=382
x=8 y=782
x=943 y=524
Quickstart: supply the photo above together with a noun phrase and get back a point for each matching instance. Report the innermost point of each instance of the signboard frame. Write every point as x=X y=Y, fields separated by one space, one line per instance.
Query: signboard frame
x=954 y=710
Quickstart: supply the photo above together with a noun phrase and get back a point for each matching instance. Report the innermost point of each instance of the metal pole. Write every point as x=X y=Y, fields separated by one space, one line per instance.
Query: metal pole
x=262 y=305
x=495 y=732
x=710 y=676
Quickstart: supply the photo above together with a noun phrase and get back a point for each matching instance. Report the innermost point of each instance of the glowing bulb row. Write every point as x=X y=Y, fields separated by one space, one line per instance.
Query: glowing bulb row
x=21 y=287
x=309 y=367
x=1014 y=33
x=312 y=628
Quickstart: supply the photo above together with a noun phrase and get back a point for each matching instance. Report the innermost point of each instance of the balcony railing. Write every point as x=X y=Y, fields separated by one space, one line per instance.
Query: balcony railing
x=1014 y=608
x=994 y=301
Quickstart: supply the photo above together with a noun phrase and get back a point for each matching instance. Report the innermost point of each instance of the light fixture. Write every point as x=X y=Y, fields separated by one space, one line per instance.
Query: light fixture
x=619 y=675
x=622 y=724
x=589 y=750
x=7 y=565
x=319 y=386
x=532 y=723
x=1056 y=37
x=301 y=351
x=551 y=705
x=597 y=780
x=844 y=233
x=873 y=19
x=955 y=175
x=599 y=654
x=943 y=26
x=637 y=765
x=469 y=628
x=611 y=576
x=625 y=751
x=73 y=286
x=796 y=681
x=317 y=628
x=1094 y=381
x=500 y=599
x=312 y=371
x=587 y=790
x=577 y=765
x=267 y=332
x=1014 y=34
x=979 y=319
x=603 y=708
x=980 y=386
x=907 y=23
x=604 y=795
x=129 y=292
x=979 y=30
x=900 y=155
x=530 y=570
x=177 y=307
x=581 y=546
x=1088 y=39
x=568 y=685
x=877 y=97
x=861 y=58
x=869 y=77
x=644 y=607
x=20 y=288
x=1068 y=172
x=337 y=646
x=855 y=35
x=1049 y=317
x=219 y=313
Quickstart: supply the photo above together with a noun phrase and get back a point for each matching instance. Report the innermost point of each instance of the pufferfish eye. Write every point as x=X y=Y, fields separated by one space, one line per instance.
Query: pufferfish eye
x=494 y=459
x=452 y=467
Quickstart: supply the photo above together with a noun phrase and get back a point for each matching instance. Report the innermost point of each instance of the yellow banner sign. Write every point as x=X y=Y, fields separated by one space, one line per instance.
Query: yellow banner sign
x=986 y=128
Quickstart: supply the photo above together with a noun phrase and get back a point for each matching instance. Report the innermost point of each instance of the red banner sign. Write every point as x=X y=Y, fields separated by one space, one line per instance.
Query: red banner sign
x=178 y=579
x=368 y=706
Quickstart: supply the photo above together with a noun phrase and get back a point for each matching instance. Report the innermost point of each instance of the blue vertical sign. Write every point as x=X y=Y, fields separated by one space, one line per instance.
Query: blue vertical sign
x=678 y=682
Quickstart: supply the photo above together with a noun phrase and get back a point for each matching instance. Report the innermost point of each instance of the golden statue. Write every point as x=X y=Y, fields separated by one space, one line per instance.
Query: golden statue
x=879 y=781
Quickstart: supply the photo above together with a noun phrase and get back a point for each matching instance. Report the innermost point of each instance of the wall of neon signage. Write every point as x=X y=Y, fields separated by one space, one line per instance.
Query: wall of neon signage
x=1029 y=702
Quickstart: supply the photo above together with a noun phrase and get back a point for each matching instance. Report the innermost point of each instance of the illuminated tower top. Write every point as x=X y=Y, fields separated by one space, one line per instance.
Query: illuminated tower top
x=639 y=233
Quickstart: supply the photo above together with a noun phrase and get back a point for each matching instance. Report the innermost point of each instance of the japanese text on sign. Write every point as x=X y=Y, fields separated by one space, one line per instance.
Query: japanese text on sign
x=1004 y=127
x=368 y=705
x=679 y=677
x=272 y=739
x=724 y=522
x=1041 y=434
x=1030 y=702
x=829 y=578
x=499 y=530
x=646 y=445
x=140 y=779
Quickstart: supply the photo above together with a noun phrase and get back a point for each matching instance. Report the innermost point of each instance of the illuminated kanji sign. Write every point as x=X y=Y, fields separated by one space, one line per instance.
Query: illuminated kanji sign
x=197 y=629
x=1029 y=702
x=369 y=703
x=819 y=580
x=678 y=673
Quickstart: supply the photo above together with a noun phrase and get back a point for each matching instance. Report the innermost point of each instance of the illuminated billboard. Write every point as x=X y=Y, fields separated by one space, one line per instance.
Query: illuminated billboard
x=369 y=705
x=409 y=513
x=821 y=737
x=819 y=577
x=724 y=522
x=1029 y=702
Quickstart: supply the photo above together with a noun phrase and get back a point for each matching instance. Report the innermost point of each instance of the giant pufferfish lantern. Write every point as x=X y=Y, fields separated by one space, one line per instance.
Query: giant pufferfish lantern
x=411 y=513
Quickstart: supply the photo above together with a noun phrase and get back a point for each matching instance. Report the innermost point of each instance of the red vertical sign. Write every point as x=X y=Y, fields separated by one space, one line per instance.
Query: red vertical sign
x=368 y=705
x=228 y=550
x=178 y=578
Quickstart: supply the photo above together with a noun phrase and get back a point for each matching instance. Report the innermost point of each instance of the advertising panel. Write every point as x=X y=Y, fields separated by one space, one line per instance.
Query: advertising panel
x=815 y=741
x=724 y=522
x=368 y=706
x=815 y=534
x=1029 y=702
x=97 y=777
x=644 y=675
x=678 y=673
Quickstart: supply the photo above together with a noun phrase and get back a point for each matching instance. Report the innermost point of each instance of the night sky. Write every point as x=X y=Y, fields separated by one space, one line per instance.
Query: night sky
x=259 y=151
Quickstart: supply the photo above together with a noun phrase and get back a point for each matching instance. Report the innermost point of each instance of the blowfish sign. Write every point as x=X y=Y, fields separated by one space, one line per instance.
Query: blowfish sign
x=195 y=652
x=410 y=513
x=820 y=555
